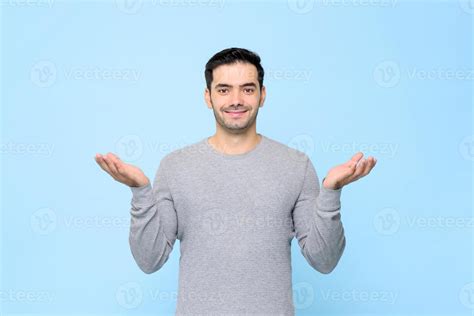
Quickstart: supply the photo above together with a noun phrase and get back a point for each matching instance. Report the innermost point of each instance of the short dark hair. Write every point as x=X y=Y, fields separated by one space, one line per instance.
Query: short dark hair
x=230 y=56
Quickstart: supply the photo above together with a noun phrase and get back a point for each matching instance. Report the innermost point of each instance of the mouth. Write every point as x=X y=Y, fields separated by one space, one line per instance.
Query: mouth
x=236 y=113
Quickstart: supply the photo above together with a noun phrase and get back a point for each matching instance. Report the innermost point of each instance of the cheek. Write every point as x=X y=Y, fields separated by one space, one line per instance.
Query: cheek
x=219 y=102
x=253 y=100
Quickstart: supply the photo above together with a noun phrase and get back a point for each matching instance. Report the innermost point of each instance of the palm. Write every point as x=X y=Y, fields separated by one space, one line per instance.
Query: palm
x=122 y=172
x=349 y=171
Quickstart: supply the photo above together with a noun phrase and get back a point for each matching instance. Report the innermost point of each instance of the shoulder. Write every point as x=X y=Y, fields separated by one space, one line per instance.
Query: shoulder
x=180 y=156
x=286 y=154
x=292 y=164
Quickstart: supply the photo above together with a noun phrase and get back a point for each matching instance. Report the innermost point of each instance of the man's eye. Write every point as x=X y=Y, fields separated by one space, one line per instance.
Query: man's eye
x=249 y=90
x=222 y=90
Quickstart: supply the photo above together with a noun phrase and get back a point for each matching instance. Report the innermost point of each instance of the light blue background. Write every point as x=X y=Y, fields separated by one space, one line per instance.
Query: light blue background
x=340 y=75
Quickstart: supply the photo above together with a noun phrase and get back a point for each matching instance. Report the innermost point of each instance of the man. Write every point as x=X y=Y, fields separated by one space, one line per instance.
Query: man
x=235 y=201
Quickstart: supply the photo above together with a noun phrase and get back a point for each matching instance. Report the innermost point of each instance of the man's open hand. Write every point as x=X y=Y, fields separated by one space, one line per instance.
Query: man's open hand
x=121 y=171
x=348 y=172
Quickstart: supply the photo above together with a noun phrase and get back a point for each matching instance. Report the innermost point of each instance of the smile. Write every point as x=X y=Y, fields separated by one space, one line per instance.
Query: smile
x=235 y=113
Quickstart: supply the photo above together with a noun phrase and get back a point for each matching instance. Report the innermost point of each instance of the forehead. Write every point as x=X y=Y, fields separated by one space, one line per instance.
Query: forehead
x=236 y=73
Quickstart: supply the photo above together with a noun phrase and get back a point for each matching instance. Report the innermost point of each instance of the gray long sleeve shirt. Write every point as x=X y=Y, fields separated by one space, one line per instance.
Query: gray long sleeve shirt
x=235 y=217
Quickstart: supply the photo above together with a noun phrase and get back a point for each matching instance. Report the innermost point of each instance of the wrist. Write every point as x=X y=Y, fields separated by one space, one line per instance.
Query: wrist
x=142 y=183
x=330 y=186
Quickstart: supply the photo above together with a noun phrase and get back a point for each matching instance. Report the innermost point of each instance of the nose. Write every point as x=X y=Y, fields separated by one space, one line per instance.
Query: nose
x=237 y=98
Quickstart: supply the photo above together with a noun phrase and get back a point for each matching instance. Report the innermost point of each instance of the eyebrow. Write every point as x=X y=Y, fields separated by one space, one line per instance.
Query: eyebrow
x=225 y=85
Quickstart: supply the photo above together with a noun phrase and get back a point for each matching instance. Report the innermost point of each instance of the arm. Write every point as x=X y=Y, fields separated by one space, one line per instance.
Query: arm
x=153 y=225
x=317 y=223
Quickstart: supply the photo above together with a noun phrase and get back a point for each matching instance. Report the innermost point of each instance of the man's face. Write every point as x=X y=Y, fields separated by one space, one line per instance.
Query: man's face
x=235 y=96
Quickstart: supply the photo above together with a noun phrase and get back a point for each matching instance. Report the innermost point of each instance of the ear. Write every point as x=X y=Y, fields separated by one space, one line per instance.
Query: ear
x=207 y=98
x=263 y=94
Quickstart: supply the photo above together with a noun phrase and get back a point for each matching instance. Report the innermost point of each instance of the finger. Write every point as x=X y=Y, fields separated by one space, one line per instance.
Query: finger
x=360 y=169
x=354 y=160
x=118 y=164
x=98 y=158
x=369 y=165
x=111 y=165
x=114 y=157
x=357 y=156
x=103 y=164
x=351 y=168
x=372 y=164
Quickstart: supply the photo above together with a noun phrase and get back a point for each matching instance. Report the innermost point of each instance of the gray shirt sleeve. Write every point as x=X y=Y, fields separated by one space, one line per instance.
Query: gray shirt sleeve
x=153 y=225
x=317 y=223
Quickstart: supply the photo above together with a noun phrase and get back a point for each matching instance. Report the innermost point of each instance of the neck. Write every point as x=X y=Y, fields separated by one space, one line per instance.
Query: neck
x=234 y=144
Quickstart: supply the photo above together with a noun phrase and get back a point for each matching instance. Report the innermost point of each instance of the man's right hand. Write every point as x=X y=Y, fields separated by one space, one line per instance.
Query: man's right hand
x=121 y=171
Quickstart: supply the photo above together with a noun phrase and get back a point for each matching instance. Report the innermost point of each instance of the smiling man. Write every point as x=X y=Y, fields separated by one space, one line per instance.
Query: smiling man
x=236 y=200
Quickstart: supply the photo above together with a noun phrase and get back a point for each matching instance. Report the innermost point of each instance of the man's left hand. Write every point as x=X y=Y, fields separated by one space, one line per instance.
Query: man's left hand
x=348 y=172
